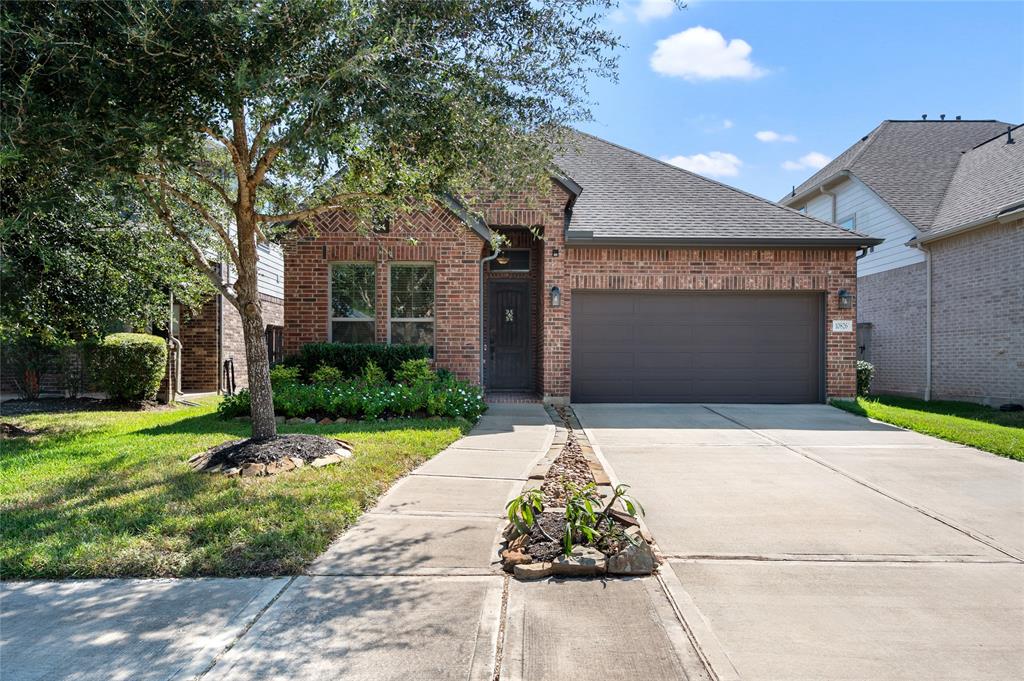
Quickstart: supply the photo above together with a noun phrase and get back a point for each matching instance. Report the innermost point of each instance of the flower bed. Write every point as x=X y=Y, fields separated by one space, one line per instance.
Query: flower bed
x=417 y=391
x=570 y=521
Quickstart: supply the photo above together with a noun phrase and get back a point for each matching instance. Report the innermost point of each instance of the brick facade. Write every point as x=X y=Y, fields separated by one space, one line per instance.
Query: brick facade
x=443 y=239
x=440 y=238
x=893 y=302
x=978 y=315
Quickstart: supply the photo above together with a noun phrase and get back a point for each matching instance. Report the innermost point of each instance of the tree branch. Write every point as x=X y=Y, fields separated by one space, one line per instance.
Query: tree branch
x=198 y=257
x=199 y=208
x=214 y=185
x=329 y=205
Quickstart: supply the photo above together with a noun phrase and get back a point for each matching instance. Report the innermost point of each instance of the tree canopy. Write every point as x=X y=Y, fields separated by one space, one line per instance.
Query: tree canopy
x=234 y=118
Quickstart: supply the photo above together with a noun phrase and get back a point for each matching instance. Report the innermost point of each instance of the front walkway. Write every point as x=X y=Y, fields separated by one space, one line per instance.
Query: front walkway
x=412 y=591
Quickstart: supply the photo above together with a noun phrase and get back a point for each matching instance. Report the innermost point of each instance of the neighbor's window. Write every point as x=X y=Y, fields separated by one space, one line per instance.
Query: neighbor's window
x=412 y=304
x=353 y=303
x=849 y=222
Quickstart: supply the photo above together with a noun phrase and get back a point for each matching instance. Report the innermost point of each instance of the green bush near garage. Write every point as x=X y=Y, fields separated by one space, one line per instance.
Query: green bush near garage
x=130 y=366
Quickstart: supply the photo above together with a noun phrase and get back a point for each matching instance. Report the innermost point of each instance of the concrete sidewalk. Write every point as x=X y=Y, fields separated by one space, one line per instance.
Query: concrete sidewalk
x=808 y=543
x=412 y=591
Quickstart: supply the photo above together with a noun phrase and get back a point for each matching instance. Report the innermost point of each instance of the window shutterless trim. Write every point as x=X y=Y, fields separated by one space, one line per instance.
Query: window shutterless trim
x=431 y=320
x=330 y=299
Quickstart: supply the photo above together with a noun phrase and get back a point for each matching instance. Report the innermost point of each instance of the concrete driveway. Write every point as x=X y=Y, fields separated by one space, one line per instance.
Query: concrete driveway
x=807 y=543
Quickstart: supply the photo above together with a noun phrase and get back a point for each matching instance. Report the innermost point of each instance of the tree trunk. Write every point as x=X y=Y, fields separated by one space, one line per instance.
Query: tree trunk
x=253 y=330
x=263 y=424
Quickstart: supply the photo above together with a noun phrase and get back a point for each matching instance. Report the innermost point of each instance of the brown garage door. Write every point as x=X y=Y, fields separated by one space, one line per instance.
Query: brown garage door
x=696 y=347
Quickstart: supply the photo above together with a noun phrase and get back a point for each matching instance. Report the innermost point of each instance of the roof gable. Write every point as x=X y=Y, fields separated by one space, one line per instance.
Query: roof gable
x=909 y=164
x=627 y=196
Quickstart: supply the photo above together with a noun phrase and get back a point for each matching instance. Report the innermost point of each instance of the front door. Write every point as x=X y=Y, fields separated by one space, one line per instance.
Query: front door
x=509 y=336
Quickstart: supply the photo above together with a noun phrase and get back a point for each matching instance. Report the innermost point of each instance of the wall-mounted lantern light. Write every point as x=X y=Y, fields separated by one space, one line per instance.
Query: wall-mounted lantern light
x=502 y=259
x=556 y=296
x=554 y=252
x=845 y=299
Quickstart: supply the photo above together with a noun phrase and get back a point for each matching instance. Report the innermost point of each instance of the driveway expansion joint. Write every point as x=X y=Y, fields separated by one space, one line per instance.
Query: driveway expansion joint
x=934 y=515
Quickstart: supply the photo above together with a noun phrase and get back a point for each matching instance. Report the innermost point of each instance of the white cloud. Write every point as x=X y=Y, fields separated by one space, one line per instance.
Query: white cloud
x=772 y=136
x=700 y=53
x=654 y=9
x=813 y=160
x=712 y=164
x=726 y=124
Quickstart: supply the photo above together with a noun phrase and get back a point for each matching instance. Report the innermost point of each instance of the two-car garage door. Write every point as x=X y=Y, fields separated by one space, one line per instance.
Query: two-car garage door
x=630 y=346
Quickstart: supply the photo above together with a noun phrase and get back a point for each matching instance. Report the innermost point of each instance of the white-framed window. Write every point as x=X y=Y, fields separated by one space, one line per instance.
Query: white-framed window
x=411 y=304
x=849 y=222
x=353 y=302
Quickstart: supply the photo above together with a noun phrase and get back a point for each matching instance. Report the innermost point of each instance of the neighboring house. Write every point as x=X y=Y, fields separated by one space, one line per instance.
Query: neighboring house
x=940 y=306
x=648 y=284
x=212 y=335
x=209 y=336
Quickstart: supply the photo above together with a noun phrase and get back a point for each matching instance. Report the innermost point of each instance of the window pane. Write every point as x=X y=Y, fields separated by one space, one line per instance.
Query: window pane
x=412 y=291
x=352 y=332
x=353 y=290
x=412 y=333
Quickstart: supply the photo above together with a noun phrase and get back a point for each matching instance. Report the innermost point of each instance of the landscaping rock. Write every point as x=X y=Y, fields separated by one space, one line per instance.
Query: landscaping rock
x=309 y=420
x=325 y=422
x=530 y=571
x=298 y=462
x=340 y=420
x=326 y=460
x=294 y=420
x=513 y=557
x=279 y=420
x=635 y=559
x=584 y=561
x=281 y=466
x=252 y=470
x=232 y=472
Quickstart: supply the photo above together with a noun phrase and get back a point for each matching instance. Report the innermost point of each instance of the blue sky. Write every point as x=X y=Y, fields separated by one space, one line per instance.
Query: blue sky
x=697 y=85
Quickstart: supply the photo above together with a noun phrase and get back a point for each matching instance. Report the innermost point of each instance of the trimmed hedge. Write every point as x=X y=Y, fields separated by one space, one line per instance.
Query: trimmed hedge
x=130 y=366
x=865 y=371
x=351 y=358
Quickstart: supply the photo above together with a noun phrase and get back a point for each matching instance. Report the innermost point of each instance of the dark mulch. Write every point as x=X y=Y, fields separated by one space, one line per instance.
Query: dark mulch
x=306 y=447
x=60 y=405
x=569 y=468
x=11 y=430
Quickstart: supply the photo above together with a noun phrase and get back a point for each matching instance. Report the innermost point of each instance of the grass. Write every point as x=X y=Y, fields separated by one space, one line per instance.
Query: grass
x=995 y=431
x=109 y=493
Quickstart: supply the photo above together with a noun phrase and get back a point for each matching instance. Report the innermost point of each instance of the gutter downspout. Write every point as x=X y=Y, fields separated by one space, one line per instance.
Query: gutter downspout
x=482 y=262
x=928 y=322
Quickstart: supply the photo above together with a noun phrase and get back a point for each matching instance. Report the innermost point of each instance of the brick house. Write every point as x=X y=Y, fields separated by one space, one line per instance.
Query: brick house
x=940 y=307
x=630 y=280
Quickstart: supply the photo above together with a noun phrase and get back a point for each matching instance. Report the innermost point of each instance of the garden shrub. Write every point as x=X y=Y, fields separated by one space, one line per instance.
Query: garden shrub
x=281 y=375
x=130 y=366
x=373 y=375
x=865 y=371
x=415 y=371
x=350 y=358
x=358 y=399
x=327 y=375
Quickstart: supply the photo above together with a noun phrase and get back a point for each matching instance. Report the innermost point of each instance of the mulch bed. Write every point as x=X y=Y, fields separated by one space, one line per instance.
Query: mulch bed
x=59 y=405
x=306 y=447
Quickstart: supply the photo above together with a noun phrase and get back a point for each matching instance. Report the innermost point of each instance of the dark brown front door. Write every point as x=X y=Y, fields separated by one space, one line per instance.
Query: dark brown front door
x=509 y=336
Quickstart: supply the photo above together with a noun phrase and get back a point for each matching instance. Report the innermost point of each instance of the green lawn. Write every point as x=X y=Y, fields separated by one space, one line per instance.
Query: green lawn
x=108 y=493
x=971 y=424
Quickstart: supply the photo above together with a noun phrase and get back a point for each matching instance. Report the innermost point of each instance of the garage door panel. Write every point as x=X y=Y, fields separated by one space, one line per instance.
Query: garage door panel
x=694 y=347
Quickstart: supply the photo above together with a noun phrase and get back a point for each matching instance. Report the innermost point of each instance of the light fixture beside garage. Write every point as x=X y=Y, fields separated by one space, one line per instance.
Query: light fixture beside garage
x=845 y=299
x=556 y=297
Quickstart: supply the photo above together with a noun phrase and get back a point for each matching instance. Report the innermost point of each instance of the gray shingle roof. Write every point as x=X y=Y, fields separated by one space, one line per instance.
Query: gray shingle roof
x=909 y=164
x=630 y=197
x=988 y=180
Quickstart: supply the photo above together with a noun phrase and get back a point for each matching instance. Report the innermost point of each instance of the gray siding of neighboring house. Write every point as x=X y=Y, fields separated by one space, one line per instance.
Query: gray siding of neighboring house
x=893 y=302
x=978 y=315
